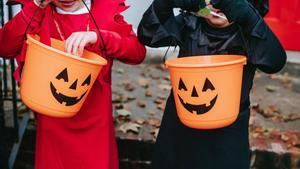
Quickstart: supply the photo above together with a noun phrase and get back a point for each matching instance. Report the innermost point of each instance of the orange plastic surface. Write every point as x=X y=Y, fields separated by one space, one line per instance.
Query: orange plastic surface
x=55 y=83
x=207 y=89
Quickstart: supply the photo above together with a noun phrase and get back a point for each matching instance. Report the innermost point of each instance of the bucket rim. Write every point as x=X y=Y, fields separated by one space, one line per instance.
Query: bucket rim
x=240 y=59
x=33 y=40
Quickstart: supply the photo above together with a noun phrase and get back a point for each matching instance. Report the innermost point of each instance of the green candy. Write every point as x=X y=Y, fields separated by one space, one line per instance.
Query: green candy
x=204 y=11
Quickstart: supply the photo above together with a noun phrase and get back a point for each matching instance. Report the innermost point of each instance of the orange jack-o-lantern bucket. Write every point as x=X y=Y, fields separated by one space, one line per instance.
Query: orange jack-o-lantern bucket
x=56 y=83
x=207 y=89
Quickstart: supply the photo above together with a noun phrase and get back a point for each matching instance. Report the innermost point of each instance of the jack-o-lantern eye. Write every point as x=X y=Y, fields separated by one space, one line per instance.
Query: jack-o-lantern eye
x=87 y=81
x=207 y=85
x=182 y=85
x=63 y=75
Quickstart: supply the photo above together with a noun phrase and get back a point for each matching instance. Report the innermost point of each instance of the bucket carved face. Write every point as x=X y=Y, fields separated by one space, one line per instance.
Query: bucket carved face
x=64 y=85
x=196 y=101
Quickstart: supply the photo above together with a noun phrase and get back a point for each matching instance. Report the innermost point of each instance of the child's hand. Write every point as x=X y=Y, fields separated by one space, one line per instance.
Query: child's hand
x=235 y=10
x=42 y=3
x=78 y=40
x=189 y=5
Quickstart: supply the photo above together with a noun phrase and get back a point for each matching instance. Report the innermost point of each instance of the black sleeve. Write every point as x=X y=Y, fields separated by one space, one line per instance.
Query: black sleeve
x=159 y=27
x=264 y=49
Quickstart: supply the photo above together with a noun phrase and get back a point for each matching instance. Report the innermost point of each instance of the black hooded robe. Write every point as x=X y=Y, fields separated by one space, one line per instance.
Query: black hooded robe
x=181 y=147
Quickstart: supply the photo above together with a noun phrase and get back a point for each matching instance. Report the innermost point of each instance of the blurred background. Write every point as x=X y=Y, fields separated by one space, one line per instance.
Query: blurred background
x=140 y=92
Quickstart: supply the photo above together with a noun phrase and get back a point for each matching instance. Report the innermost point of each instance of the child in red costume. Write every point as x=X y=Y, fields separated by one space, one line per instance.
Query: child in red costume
x=85 y=141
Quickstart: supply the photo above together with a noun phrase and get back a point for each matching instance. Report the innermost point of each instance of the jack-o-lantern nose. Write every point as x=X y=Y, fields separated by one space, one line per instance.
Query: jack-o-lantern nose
x=194 y=92
x=74 y=85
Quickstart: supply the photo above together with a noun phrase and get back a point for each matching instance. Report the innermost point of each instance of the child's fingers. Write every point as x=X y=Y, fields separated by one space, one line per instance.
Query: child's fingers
x=77 y=41
x=69 y=43
x=92 y=38
x=81 y=46
x=78 y=38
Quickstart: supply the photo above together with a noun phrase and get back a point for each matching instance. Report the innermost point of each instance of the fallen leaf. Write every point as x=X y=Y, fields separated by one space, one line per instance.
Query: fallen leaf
x=285 y=78
x=254 y=105
x=117 y=99
x=122 y=99
x=130 y=126
x=129 y=87
x=140 y=121
x=164 y=87
x=154 y=122
x=161 y=106
x=151 y=113
x=141 y=104
x=290 y=139
x=291 y=117
x=123 y=112
x=148 y=93
x=144 y=82
x=131 y=136
x=129 y=98
x=120 y=71
x=284 y=137
x=158 y=101
x=275 y=134
x=119 y=106
x=155 y=77
x=251 y=120
x=271 y=88
x=257 y=75
x=277 y=118
x=143 y=74
x=259 y=130
x=270 y=112
x=255 y=135
x=162 y=97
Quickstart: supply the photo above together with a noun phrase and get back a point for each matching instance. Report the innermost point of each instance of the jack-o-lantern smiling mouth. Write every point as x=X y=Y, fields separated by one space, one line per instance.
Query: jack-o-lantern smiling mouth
x=61 y=98
x=199 y=109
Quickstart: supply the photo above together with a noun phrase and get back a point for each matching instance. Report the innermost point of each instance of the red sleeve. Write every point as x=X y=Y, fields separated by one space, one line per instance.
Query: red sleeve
x=125 y=48
x=12 y=33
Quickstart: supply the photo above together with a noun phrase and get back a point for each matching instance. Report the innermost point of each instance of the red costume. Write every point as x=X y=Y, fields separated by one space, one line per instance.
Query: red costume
x=85 y=141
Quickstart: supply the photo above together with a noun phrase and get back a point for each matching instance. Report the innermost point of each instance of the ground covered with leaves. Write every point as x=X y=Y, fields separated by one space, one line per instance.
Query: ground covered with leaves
x=139 y=98
x=140 y=93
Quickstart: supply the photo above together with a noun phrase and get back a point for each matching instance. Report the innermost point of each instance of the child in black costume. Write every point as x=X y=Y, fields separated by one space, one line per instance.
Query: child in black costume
x=246 y=33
